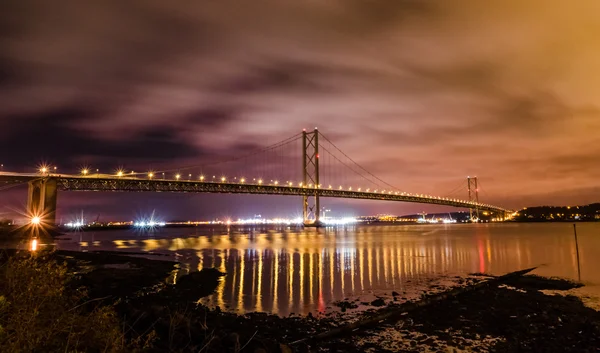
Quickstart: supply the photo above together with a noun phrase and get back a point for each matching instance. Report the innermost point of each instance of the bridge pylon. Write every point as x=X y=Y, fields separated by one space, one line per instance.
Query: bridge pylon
x=311 y=206
x=41 y=200
x=473 y=197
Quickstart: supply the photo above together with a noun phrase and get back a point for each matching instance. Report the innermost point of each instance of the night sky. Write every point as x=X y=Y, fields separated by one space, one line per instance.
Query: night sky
x=421 y=93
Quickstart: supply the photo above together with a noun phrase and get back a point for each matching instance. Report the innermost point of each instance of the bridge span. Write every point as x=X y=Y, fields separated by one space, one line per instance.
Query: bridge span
x=50 y=184
x=45 y=185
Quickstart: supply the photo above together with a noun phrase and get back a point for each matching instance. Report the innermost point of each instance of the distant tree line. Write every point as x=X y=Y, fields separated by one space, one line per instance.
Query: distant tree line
x=560 y=213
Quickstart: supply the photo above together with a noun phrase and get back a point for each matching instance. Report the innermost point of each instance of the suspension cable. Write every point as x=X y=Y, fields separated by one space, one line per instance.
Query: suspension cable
x=10 y=186
x=347 y=166
x=233 y=159
x=358 y=165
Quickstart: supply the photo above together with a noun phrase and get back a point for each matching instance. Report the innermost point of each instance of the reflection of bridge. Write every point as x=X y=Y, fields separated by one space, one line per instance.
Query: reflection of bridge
x=339 y=169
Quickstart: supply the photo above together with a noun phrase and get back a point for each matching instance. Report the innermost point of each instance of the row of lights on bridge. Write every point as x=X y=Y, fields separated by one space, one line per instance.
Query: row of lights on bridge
x=151 y=175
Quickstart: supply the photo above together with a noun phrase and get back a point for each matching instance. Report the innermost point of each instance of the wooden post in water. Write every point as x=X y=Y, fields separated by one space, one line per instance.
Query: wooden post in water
x=577 y=250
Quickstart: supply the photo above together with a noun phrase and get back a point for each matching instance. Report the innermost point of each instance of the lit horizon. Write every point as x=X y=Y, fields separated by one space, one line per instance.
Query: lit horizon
x=421 y=95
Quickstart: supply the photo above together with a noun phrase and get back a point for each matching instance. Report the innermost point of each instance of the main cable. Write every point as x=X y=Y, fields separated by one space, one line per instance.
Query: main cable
x=358 y=165
x=265 y=149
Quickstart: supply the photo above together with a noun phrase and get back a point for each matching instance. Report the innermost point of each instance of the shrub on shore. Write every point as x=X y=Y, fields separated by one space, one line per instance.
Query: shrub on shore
x=39 y=312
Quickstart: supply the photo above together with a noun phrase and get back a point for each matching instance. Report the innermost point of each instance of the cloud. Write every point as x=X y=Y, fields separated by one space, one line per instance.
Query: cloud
x=422 y=93
x=51 y=136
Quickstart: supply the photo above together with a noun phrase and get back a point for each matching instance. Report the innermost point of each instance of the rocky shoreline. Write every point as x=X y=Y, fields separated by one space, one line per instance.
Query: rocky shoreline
x=514 y=316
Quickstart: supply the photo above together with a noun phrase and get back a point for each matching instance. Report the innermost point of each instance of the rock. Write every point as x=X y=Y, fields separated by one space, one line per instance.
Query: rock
x=345 y=305
x=395 y=294
x=378 y=302
x=199 y=284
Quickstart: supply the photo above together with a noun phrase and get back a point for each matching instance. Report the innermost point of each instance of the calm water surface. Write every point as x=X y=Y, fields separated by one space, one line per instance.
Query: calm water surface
x=283 y=270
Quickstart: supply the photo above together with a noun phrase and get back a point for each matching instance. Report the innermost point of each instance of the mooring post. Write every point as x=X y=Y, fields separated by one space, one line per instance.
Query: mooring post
x=577 y=251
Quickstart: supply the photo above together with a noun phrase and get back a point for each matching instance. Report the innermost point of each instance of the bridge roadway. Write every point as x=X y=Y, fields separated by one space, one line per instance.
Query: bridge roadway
x=105 y=182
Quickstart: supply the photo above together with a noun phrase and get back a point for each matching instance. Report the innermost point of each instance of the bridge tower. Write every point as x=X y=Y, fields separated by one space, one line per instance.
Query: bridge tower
x=311 y=206
x=41 y=200
x=473 y=196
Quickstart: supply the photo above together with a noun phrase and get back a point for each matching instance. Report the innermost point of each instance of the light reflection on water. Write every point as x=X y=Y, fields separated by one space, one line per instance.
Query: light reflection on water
x=294 y=270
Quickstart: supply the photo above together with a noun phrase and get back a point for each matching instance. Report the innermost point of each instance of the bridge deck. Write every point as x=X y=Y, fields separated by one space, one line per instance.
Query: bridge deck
x=132 y=184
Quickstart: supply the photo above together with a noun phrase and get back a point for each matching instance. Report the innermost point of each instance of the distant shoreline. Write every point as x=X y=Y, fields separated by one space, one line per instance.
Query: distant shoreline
x=123 y=227
x=14 y=230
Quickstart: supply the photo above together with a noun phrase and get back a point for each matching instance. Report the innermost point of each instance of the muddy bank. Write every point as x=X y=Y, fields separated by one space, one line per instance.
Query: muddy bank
x=504 y=318
x=514 y=316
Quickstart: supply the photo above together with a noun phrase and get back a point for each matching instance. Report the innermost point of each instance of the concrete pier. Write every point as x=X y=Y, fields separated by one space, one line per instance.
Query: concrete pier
x=41 y=199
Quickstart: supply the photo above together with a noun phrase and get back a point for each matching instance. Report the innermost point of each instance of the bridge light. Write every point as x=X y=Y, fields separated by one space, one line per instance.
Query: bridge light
x=260 y=181
x=243 y=180
x=341 y=187
x=222 y=179
x=201 y=177
x=43 y=170
x=300 y=184
x=310 y=185
x=368 y=190
x=359 y=189
x=36 y=220
x=275 y=182
x=330 y=186
x=350 y=188
x=85 y=171
x=119 y=173
x=290 y=183
x=177 y=176
x=150 y=175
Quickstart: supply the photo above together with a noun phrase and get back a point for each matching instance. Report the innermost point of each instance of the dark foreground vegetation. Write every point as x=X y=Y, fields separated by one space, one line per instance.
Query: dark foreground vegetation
x=69 y=302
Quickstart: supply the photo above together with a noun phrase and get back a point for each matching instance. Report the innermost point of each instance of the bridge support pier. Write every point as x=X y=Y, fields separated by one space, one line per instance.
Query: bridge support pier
x=41 y=200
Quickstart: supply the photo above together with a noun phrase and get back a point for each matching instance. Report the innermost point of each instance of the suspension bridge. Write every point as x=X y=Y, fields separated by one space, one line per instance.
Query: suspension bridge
x=320 y=170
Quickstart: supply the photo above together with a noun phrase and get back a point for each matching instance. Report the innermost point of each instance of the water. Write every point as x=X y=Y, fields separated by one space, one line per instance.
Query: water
x=294 y=270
